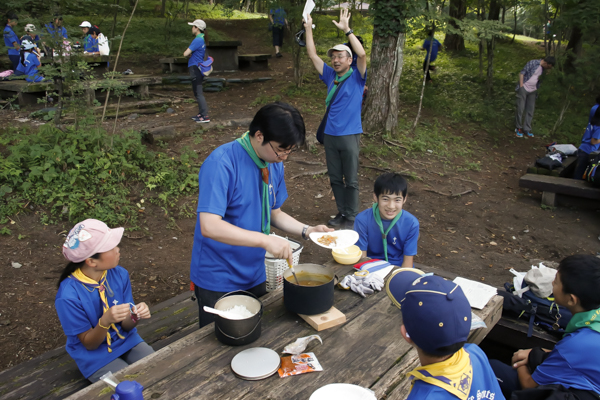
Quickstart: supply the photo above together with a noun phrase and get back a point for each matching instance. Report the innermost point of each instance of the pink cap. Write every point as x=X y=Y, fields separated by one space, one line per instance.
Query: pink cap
x=88 y=238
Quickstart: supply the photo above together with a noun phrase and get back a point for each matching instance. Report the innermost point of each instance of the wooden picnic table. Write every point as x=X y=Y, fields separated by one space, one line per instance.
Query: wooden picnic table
x=368 y=350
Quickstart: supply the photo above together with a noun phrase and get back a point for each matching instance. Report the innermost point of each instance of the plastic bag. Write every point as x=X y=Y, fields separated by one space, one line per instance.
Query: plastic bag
x=299 y=364
x=300 y=344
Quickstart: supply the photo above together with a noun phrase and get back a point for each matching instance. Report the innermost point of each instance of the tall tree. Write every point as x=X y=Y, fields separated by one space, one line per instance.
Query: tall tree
x=390 y=23
x=457 y=11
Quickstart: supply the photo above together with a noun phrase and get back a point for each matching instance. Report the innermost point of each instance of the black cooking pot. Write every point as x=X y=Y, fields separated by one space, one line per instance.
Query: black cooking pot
x=309 y=300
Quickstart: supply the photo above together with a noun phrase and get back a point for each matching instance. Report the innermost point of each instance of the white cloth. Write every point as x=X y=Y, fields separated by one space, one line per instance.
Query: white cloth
x=531 y=84
x=103 y=47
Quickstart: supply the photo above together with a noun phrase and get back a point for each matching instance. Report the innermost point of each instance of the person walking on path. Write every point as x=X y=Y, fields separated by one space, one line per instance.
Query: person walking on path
x=343 y=125
x=11 y=40
x=529 y=83
x=196 y=53
x=279 y=21
x=435 y=45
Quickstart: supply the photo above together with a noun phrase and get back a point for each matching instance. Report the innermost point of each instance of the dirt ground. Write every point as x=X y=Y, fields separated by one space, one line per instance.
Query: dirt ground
x=479 y=235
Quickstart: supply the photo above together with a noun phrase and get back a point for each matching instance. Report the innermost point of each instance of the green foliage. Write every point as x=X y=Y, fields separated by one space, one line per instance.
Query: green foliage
x=391 y=17
x=76 y=174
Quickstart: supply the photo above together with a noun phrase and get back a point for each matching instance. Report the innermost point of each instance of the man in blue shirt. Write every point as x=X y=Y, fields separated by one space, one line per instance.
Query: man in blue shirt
x=55 y=35
x=343 y=123
x=436 y=319
x=241 y=191
x=590 y=141
x=11 y=40
x=386 y=231
x=572 y=365
x=278 y=23
x=196 y=53
x=434 y=45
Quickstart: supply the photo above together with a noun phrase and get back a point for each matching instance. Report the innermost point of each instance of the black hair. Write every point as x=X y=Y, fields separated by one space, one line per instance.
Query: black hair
x=23 y=51
x=95 y=30
x=580 y=276
x=390 y=183
x=279 y=122
x=598 y=99
x=595 y=120
x=361 y=41
x=11 y=15
x=445 y=350
x=72 y=267
x=550 y=60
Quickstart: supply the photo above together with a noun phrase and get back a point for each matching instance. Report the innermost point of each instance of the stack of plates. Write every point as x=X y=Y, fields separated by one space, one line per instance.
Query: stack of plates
x=255 y=364
x=342 y=391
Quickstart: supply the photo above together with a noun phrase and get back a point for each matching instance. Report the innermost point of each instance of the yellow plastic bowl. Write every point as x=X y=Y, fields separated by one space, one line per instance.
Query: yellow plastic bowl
x=349 y=255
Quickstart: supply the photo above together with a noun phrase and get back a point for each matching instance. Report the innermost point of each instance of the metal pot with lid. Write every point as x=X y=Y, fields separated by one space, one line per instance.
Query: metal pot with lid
x=314 y=294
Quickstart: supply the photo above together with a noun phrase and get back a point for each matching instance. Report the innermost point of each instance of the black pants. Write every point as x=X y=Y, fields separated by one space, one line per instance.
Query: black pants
x=277 y=36
x=209 y=298
x=507 y=377
x=583 y=159
x=15 y=59
x=197 y=79
x=428 y=69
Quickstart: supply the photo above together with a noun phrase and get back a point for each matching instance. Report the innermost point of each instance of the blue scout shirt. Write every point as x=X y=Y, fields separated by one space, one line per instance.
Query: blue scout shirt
x=279 y=16
x=30 y=68
x=344 y=113
x=56 y=32
x=484 y=387
x=434 y=49
x=230 y=186
x=198 y=48
x=591 y=132
x=402 y=239
x=573 y=363
x=90 y=44
x=79 y=310
x=9 y=38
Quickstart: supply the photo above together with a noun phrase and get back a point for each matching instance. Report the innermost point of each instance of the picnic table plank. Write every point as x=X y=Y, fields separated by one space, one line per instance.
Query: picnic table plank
x=199 y=366
x=552 y=185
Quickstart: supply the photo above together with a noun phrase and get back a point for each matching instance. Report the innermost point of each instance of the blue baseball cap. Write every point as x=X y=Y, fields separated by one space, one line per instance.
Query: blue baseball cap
x=435 y=311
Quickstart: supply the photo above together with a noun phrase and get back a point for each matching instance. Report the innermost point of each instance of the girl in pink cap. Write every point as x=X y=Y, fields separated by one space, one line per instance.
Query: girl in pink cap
x=95 y=304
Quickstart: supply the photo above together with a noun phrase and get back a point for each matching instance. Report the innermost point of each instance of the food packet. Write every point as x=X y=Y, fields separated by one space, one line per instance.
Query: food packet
x=300 y=344
x=299 y=364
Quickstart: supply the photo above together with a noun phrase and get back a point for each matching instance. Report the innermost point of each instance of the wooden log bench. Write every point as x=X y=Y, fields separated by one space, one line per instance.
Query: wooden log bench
x=566 y=171
x=550 y=186
x=174 y=64
x=254 y=62
x=54 y=375
x=225 y=54
x=28 y=93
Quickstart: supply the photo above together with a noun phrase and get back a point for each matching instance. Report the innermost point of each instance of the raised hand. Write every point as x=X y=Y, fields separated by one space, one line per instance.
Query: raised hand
x=344 y=24
x=308 y=22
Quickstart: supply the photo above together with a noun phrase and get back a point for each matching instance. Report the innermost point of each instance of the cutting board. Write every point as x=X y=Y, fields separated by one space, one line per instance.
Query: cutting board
x=326 y=320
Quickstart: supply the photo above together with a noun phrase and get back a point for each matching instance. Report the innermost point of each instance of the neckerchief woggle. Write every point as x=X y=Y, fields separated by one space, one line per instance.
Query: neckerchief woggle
x=454 y=375
x=587 y=319
x=265 y=207
x=335 y=85
x=377 y=217
x=101 y=286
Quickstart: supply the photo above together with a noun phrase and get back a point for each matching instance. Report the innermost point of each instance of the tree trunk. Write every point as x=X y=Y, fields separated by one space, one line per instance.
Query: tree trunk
x=515 y=30
x=489 y=82
x=494 y=11
x=574 y=48
x=114 y=25
x=457 y=10
x=382 y=105
x=163 y=8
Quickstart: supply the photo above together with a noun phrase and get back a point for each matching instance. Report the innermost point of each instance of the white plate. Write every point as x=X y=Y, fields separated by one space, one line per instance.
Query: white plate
x=342 y=391
x=255 y=363
x=345 y=238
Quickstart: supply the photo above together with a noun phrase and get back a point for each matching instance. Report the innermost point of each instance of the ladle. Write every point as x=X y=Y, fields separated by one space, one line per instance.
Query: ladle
x=221 y=313
x=293 y=272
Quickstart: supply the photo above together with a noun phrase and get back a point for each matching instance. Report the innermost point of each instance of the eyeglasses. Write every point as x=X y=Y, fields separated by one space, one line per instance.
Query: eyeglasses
x=283 y=153
x=339 y=57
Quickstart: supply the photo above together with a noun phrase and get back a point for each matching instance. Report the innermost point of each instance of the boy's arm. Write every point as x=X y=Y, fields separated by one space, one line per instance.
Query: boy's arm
x=344 y=26
x=310 y=46
x=408 y=262
x=525 y=378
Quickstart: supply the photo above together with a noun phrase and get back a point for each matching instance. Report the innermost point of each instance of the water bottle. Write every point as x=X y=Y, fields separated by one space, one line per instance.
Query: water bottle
x=128 y=390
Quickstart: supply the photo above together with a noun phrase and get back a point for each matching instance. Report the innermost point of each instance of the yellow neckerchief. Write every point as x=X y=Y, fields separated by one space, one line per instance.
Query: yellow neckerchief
x=89 y=282
x=455 y=375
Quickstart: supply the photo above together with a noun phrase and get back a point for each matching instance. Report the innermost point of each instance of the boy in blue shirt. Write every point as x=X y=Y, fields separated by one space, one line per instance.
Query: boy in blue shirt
x=278 y=23
x=11 y=40
x=386 y=231
x=196 y=54
x=241 y=192
x=436 y=318
x=435 y=45
x=29 y=62
x=590 y=141
x=572 y=366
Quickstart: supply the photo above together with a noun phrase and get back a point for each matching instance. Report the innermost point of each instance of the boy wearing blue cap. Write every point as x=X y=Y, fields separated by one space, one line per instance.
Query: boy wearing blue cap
x=436 y=318
x=386 y=231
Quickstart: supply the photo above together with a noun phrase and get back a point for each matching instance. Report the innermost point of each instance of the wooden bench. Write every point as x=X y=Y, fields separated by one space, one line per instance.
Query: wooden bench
x=550 y=186
x=254 y=62
x=174 y=64
x=54 y=375
x=28 y=93
x=98 y=63
x=225 y=54
x=566 y=171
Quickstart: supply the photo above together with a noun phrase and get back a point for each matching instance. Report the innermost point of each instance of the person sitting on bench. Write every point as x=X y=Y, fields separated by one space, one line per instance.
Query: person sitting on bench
x=29 y=62
x=590 y=141
x=571 y=370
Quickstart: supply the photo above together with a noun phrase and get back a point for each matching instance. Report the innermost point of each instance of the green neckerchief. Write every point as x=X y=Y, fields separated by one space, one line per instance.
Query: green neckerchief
x=587 y=319
x=380 y=224
x=335 y=85
x=200 y=35
x=265 y=207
